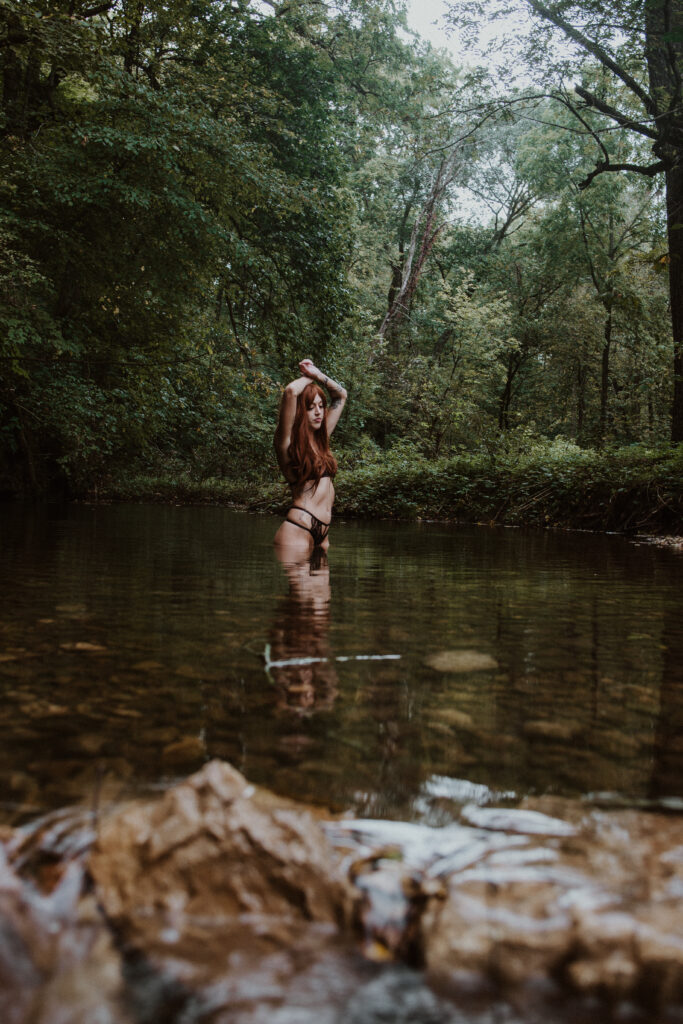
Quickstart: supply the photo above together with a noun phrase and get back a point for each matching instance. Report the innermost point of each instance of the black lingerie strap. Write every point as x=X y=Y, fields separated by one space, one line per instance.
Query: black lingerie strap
x=318 y=529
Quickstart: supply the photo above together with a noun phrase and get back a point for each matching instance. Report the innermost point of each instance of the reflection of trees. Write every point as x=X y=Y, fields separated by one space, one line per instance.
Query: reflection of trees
x=667 y=769
x=299 y=631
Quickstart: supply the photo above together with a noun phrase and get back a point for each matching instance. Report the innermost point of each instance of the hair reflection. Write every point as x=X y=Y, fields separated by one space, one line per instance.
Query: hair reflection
x=299 y=633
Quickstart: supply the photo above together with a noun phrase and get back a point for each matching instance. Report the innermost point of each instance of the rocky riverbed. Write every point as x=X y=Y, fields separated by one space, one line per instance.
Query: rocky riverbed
x=221 y=902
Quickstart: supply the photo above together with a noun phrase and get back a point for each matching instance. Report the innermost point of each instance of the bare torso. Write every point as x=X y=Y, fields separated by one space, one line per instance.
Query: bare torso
x=317 y=500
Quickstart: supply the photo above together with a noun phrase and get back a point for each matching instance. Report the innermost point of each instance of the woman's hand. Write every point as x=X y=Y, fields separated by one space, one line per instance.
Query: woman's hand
x=337 y=392
x=308 y=368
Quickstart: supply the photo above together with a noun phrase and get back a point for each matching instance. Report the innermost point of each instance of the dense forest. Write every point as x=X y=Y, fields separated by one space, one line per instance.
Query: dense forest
x=195 y=194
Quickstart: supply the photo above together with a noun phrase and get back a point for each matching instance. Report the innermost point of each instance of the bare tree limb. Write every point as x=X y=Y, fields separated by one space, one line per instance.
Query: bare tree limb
x=91 y=12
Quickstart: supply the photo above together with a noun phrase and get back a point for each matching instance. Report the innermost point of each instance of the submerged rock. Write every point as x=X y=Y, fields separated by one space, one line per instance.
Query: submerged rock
x=544 y=729
x=461 y=660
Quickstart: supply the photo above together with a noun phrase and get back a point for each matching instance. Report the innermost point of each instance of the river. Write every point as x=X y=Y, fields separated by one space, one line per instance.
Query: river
x=136 y=640
x=418 y=668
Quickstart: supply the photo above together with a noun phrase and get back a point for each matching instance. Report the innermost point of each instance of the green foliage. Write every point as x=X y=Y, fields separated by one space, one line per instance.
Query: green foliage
x=528 y=483
x=170 y=193
x=195 y=194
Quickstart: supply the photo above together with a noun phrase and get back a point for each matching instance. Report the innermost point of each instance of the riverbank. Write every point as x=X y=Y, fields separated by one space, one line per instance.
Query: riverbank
x=633 y=489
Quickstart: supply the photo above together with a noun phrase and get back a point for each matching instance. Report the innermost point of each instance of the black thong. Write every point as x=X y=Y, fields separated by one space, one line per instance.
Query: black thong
x=318 y=530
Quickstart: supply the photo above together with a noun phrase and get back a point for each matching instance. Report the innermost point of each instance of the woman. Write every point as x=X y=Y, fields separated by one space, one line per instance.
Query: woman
x=303 y=454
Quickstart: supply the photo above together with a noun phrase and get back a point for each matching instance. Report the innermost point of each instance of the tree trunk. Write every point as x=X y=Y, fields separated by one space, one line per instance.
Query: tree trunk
x=506 y=397
x=394 y=289
x=580 y=399
x=663 y=52
x=28 y=465
x=396 y=278
x=664 y=55
x=674 y=211
x=134 y=12
x=604 y=377
x=427 y=227
x=15 y=78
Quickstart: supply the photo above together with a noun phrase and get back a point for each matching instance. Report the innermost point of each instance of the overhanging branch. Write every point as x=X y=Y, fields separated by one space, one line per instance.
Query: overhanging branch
x=597 y=51
x=605 y=167
x=92 y=12
x=626 y=122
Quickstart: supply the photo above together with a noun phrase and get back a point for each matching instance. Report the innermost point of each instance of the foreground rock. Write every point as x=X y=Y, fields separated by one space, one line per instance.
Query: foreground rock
x=588 y=899
x=216 y=845
x=58 y=962
x=228 y=904
x=216 y=876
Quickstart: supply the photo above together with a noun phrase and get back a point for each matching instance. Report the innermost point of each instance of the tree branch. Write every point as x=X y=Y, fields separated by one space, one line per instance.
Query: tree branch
x=597 y=51
x=605 y=167
x=626 y=122
x=564 y=98
x=91 y=12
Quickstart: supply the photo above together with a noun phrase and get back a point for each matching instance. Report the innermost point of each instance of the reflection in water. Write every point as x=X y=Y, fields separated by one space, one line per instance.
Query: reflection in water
x=667 y=772
x=132 y=642
x=299 y=636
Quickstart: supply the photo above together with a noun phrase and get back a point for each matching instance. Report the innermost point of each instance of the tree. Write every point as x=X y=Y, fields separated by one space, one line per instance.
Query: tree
x=157 y=159
x=598 y=230
x=637 y=44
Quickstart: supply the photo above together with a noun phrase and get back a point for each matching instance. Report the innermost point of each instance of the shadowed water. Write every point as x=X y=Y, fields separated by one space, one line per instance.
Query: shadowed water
x=136 y=642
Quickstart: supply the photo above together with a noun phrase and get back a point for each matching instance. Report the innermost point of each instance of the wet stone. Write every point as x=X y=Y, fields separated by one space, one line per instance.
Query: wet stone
x=518 y=821
x=58 y=961
x=236 y=895
x=618 y=744
x=85 y=646
x=464 y=660
x=188 y=748
x=457 y=719
x=552 y=729
x=218 y=847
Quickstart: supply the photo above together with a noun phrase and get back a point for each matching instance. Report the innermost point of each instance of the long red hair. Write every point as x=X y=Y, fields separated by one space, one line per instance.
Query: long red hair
x=309 y=456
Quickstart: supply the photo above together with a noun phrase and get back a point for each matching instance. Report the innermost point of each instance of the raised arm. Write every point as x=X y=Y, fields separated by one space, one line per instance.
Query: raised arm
x=337 y=392
x=285 y=422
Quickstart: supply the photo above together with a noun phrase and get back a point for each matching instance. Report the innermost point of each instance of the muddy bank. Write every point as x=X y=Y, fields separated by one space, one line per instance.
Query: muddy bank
x=221 y=902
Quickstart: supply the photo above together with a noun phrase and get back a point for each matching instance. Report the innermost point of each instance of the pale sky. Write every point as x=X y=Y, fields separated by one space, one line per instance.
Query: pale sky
x=421 y=15
x=427 y=18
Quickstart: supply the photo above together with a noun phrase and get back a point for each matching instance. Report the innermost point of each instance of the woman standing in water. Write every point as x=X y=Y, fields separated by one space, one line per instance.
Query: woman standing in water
x=303 y=454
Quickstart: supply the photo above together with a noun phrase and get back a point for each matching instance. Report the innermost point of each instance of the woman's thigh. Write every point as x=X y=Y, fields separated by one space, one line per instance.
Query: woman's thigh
x=293 y=538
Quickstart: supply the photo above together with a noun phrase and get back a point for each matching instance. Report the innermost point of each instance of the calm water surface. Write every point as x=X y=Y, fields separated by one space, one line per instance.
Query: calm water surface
x=137 y=642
